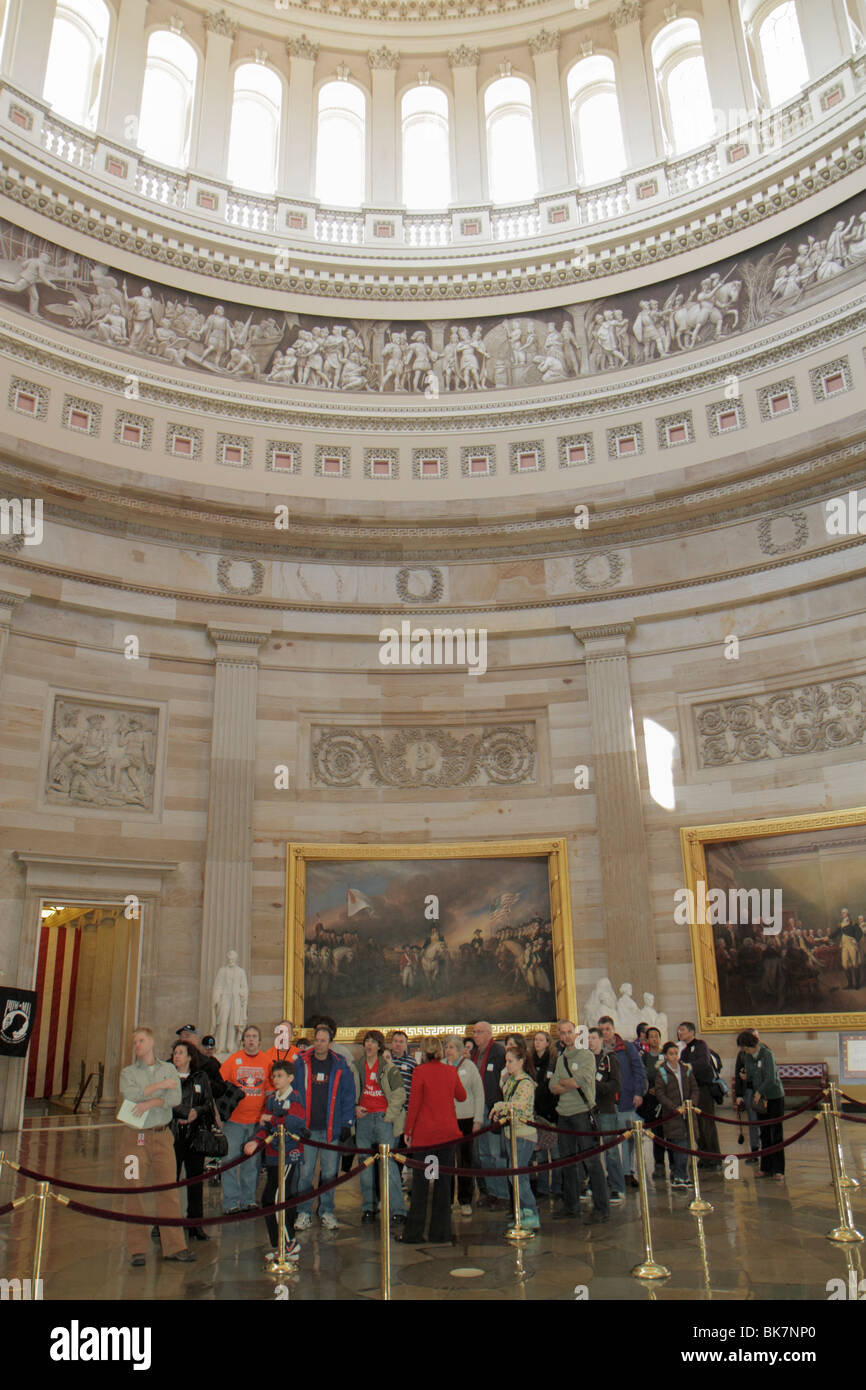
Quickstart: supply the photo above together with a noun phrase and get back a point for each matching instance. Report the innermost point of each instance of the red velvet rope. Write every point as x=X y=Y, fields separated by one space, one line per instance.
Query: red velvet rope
x=515 y=1172
x=213 y=1220
x=854 y=1119
x=718 y=1157
x=121 y=1191
x=808 y=1104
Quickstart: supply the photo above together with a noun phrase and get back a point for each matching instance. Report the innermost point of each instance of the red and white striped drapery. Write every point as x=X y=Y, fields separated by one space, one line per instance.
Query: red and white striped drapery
x=56 y=980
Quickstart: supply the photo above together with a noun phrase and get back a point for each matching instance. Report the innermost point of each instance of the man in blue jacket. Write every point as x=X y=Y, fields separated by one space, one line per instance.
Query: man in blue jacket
x=327 y=1090
x=633 y=1087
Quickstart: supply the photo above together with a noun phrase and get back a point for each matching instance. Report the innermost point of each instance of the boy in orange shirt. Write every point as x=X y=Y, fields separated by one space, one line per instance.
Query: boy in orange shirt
x=249 y=1069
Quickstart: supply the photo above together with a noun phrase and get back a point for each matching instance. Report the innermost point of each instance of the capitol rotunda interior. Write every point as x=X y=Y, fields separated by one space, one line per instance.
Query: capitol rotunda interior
x=432 y=522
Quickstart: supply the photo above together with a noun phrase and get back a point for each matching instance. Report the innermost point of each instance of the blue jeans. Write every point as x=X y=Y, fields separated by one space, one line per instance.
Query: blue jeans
x=626 y=1150
x=525 y=1149
x=371 y=1131
x=613 y=1157
x=239 y=1184
x=546 y=1183
x=488 y=1148
x=679 y=1162
x=329 y=1161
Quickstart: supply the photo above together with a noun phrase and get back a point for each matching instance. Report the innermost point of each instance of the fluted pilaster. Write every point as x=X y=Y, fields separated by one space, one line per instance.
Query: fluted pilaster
x=621 y=838
x=228 y=865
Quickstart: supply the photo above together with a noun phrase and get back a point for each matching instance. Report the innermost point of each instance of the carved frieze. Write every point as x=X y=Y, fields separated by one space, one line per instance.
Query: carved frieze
x=762 y=727
x=423 y=756
x=101 y=755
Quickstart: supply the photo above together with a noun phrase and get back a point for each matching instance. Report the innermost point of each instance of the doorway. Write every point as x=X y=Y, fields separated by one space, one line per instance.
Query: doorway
x=87 y=975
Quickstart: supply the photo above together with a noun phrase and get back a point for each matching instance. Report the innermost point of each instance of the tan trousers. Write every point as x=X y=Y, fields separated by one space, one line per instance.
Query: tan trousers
x=156 y=1164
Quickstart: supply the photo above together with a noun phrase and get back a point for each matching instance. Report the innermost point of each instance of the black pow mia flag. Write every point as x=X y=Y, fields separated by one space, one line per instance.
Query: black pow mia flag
x=17 y=1017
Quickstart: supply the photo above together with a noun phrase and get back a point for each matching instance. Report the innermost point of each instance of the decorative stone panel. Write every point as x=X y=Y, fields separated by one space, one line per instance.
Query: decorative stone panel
x=802 y=719
x=477 y=451
x=429 y=756
x=780 y=535
x=26 y=390
x=419 y=584
x=74 y=406
x=575 y=450
x=831 y=379
x=767 y=393
x=618 y=437
x=127 y=425
x=601 y=569
x=234 y=450
x=176 y=436
x=373 y=456
x=673 y=430
x=101 y=754
x=326 y=452
x=281 y=457
x=232 y=572
x=723 y=417
x=419 y=456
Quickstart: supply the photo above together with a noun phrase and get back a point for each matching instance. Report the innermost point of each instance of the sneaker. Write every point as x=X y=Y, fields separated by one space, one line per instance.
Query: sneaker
x=586 y=1196
x=466 y=1210
x=328 y=1220
x=616 y=1198
x=293 y=1250
x=680 y=1184
x=529 y=1218
x=303 y=1221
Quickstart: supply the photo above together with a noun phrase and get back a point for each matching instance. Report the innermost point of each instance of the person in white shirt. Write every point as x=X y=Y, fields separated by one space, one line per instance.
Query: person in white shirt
x=470 y=1117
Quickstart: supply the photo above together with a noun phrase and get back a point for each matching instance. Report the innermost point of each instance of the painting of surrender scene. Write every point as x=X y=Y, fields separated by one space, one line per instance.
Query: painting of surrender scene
x=801 y=949
x=428 y=942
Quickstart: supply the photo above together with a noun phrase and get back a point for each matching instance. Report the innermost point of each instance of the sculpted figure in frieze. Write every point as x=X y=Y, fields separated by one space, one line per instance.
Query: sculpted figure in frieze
x=303 y=352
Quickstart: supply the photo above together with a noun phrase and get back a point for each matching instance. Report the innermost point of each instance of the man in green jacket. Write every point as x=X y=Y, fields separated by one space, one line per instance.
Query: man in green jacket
x=379 y=1113
x=573 y=1084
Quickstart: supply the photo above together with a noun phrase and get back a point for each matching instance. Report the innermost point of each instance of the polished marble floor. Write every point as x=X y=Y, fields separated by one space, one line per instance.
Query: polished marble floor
x=762 y=1241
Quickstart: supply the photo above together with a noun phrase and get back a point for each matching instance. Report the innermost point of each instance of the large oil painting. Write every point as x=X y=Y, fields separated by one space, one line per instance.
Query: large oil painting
x=779 y=921
x=429 y=938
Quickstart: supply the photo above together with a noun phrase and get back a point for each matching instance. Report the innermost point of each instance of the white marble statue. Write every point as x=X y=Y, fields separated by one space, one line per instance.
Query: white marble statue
x=627 y=1015
x=601 y=1001
x=653 y=1018
x=231 y=992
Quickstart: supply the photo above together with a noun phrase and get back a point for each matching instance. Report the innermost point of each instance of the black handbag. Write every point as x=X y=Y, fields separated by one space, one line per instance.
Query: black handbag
x=210 y=1141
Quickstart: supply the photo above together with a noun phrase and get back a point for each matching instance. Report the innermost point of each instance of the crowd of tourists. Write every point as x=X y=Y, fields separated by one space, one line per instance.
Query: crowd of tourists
x=450 y=1101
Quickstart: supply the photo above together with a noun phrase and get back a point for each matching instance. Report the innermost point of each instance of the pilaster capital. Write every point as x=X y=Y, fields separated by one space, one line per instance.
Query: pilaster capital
x=218 y=22
x=236 y=645
x=464 y=56
x=626 y=12
x=383 y=58
x=10 y=599
x=545 y=41
x=605 y=641
x=302 y=47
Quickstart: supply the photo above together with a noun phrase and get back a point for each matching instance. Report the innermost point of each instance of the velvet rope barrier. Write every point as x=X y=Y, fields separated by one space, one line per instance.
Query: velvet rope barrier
x=808 y=1103
x=854 y=1119
x=759 y=1153
x=122 y=1191
x=579 y=1157
x=224 y=1220
x=850 y=1099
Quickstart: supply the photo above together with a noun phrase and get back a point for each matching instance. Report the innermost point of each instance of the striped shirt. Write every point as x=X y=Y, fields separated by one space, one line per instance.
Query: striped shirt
x=405 y=1065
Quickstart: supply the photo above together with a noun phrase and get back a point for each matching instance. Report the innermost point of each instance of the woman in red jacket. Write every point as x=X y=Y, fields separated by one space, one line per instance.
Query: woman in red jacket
x=432 y=1120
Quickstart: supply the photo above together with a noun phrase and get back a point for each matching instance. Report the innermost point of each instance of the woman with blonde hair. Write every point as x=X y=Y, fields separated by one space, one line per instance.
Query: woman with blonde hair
x=518 y=1089
x=432 y=1122
x=470 y=1117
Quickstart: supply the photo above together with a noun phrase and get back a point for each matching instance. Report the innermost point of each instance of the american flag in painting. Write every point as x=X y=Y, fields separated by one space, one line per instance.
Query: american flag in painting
x=500 y=908
x=56 y=980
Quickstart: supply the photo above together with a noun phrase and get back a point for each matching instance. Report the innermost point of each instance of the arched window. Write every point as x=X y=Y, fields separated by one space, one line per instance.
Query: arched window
x=254 y=139
x=681 y=81
x=511 y=169
x=426 y=153
x=167 y=98
x=341 y=145
x=76 y=58
x=599 y=153
x=782 y=53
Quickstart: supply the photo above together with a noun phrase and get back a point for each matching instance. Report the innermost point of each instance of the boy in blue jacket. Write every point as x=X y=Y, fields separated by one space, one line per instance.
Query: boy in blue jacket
x=633 y=1087
x=326 y=1090
x=284 y=1101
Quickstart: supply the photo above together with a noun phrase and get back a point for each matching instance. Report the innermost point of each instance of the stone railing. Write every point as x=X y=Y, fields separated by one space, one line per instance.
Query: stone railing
x=304 y=221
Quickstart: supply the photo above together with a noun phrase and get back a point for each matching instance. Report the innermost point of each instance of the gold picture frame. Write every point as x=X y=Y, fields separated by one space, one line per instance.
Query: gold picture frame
x=298 y=856
x=693 y=841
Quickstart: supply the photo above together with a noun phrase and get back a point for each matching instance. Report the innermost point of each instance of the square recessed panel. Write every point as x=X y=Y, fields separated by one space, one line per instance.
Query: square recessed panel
x=80 y=420
x=626 y=444
x=479 y=463
x=834 y=383
x=780 y=398
x=131 y=434
x=234 y=450
x=183 y=445
x=27 y=402
x=332 y=463
x=780 y=403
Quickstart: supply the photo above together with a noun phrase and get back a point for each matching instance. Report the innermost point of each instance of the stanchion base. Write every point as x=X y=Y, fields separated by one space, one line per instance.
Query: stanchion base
x=844 y=1235
x=849 y=1182
x=699 y=1207
x=280 y=1266
x=650 y=1270
x=518 y=1234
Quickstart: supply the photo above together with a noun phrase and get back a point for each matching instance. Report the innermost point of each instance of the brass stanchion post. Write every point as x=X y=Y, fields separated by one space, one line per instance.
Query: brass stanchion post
x=698 y=1205
x=518 y=1231
x=41 y=1198
x=846 y=1232
x=385 y=1218
x=844 y=1178
x=281 y=1265
x=648 y=1268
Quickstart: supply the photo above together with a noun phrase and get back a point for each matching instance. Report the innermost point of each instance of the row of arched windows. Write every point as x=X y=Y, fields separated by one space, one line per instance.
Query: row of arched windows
x=75 y=70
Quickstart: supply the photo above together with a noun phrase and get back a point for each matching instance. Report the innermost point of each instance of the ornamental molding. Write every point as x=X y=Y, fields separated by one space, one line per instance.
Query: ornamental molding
x=602 y=569
x=545 y=41
x=816 y=718
x=627 y=12
x=419 y=584
x=226 y=577
x=383 y=58
x=218 y=22
x=430 y=756
x=302 y=47
x=710 y=227
x=464 y=56
x=796 y=524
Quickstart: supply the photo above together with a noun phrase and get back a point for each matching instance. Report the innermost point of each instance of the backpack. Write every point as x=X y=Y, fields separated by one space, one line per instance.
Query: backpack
x=718 y=1086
